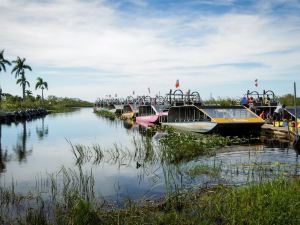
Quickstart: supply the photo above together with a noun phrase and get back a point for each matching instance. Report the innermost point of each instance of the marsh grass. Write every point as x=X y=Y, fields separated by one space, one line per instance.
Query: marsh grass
x=275 y=202
x=202 y=169
x=73 y=201
x=180 y=146
x=68 y=195
x=107 y=114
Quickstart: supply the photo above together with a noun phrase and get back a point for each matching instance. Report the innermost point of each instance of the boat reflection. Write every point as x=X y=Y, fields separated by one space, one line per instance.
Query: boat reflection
x=128 y=124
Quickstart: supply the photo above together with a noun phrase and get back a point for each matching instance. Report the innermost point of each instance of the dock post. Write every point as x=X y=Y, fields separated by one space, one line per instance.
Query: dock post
x=296 y=143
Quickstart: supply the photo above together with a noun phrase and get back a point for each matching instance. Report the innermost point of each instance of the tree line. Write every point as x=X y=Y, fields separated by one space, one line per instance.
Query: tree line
x=19 y=69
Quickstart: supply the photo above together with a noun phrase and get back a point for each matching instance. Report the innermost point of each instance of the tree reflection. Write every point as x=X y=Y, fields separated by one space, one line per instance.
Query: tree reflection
x=3 y=155
x=21 y=147
x=42 y=131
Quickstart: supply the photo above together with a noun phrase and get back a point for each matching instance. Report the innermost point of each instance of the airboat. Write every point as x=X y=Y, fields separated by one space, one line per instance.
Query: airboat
x=194 y=116
x=114 y=105
x=130 y=108
x=152 y=110
x=256 y=102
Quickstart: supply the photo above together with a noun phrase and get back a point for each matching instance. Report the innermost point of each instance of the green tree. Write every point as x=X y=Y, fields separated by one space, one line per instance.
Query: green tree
x=28 y=93
x=19 y=70
x=3 y=62
x=23 y=82
x=42 y=85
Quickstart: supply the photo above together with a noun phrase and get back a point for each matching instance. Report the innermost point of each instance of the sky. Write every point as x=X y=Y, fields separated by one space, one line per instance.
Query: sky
x=93 y=48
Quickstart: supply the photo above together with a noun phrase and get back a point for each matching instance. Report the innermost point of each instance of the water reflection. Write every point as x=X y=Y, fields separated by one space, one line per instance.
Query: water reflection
x=3 y=155
x=42 y=131
x=128 y=124
x=21 y=147
x=118 y=159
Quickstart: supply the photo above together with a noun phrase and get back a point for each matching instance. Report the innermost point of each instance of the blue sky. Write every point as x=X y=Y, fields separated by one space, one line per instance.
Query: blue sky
x=93 y=48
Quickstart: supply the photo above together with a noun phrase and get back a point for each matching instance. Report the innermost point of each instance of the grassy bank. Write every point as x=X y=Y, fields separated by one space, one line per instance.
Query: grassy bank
x=274 y=202
x=107 y=114
x=52 y=103
x=68 y=196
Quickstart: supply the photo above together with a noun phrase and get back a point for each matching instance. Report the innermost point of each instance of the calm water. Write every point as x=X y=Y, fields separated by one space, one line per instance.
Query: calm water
x=31 y=151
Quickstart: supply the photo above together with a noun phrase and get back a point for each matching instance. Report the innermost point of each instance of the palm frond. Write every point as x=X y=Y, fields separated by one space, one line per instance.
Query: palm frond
x=19 y=81
x=14 y=69
x=3 y=67
x=6 y=61
x=27 y=67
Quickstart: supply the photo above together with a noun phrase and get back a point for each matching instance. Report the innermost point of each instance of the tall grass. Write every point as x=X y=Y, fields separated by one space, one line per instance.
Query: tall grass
x=68 y=196
x=107 y=114
x=183 y=146
x=275 y=202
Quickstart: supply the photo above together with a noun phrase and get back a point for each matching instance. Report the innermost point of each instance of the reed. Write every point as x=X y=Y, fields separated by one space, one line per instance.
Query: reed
x=272 y=202
x=182 y=146
x=203 y=169
x=270 y=195
x=106 y=114
x=275 y=202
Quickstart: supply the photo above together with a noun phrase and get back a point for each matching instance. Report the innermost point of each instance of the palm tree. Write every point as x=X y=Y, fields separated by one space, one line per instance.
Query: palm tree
x=19 y=69
x=23 y=82
x=3 y=62
x=28 y=93
x=42 y=85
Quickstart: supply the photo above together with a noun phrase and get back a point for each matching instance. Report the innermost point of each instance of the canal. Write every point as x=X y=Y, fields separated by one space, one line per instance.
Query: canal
x=34 y=153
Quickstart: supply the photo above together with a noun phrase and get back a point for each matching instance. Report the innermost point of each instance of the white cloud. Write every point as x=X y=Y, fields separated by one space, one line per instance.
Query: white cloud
x=137 y=52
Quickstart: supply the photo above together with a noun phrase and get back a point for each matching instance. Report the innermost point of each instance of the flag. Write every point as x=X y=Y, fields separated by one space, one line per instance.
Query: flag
x=177 y=83
x=149 y=90
x=256 y=83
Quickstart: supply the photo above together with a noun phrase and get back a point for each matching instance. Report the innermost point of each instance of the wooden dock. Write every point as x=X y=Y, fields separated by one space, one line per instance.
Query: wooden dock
x=279 y=132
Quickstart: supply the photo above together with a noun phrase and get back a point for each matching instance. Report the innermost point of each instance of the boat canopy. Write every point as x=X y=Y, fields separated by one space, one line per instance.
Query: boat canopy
x=217 y=114
x=186 y=113
x=127 y=108
x=228 y=112
x=146 y=110
x=179 y=98
x=265 y=99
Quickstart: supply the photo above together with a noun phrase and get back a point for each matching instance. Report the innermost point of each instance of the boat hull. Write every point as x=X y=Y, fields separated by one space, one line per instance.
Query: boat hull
x=129 y=112
x=238 y=129
x=197 y=127
x=220 y=128
x=151 y=119
x=147 y=119
x=128 y=115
